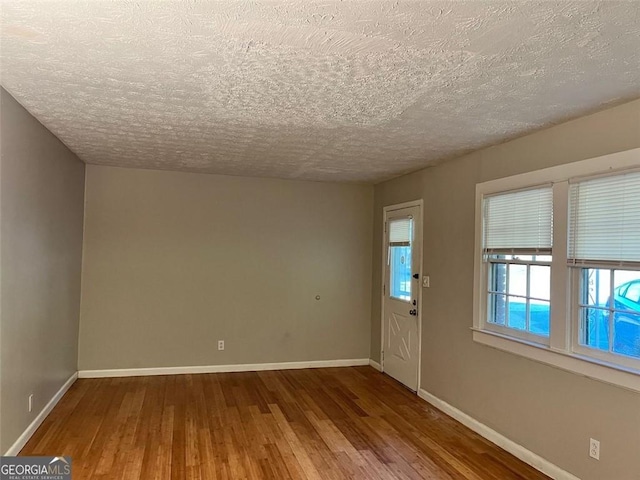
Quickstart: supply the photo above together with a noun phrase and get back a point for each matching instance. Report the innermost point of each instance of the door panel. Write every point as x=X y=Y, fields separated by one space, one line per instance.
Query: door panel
x=400 y=337
x=403 y=241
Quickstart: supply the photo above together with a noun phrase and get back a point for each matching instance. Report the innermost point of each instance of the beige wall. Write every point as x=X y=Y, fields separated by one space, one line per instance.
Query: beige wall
x=173 y=262
x=549 y=411
x=41 y=198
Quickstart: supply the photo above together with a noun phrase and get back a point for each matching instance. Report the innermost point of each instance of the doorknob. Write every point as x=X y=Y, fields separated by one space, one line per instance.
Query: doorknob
x=413 y=312
x=416 y=276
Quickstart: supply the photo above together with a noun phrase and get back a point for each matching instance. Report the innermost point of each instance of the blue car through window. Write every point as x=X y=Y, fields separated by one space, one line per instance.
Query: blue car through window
x=611 y=322
x=626 y=318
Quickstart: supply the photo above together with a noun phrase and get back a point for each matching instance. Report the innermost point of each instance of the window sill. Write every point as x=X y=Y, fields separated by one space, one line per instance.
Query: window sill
x=571 y=362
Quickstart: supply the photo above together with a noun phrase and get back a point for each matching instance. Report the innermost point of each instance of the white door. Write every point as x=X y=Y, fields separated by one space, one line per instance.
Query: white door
x=401 y=291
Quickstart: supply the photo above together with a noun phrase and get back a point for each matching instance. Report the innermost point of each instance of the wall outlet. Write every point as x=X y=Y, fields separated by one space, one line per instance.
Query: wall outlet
x=220 y=344
x=594 y=449
x=425 y=281
x=30 y=402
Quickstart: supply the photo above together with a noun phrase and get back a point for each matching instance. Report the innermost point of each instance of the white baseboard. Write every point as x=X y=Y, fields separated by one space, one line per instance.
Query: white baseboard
x=30 y=430
x=500 y=440
x=375 y=365
x=252 y=367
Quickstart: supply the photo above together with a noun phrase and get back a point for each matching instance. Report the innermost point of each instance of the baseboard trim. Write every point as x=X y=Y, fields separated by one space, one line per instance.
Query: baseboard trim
x=251 y=367
x=375 y=365
x=31 y=429
x=500 y=440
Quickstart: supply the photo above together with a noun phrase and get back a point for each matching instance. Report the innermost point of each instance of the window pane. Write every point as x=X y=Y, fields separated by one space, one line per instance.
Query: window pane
x=497 y=309
x=622 y=313
x=540 y=282
x=400 y=265
x=518 y=280
x=596 y=286
x=521 y=293
x=539 y=317
x=626 y=290
x=517 y=313
x=594 y=328
x=522 y=258
x=626 y=314
x=498 y=281
x=627 y=334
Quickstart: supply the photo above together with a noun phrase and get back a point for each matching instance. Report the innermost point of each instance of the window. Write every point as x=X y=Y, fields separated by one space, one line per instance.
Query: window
x=557 y=274
x=517 y=248
x=604 y=248
x=400 y=236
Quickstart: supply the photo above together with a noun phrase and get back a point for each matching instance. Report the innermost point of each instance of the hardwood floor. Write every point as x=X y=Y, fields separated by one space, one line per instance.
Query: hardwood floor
x=317 y=424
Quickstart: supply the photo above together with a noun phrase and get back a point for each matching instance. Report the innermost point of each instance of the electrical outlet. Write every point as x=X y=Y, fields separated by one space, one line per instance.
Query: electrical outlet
x=220 y=344
x=594 y=449
x=30 y=402
x=425 y=281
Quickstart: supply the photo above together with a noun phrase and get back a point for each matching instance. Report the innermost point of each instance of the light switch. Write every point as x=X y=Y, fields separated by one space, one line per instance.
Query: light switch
x=425 y=281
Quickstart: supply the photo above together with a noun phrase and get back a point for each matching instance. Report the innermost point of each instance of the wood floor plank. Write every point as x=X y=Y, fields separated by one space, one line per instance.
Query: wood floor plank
x=320 y=424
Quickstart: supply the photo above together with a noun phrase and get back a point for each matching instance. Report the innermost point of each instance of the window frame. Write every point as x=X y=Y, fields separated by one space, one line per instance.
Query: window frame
x=562 y=349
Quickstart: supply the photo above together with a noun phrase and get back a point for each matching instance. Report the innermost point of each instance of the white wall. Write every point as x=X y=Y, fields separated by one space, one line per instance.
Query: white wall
x=549 y=411
x=41 y=190
x=173 y=262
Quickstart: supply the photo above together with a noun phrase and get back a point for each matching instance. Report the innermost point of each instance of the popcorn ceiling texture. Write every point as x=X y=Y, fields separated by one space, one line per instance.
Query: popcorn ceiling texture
x=333 y=90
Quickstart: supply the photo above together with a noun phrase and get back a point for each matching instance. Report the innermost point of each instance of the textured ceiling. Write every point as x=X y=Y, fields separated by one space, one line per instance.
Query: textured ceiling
x=319 y=90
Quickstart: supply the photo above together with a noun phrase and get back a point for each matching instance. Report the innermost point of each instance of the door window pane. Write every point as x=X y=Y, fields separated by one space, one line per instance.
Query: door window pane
x=400 y=266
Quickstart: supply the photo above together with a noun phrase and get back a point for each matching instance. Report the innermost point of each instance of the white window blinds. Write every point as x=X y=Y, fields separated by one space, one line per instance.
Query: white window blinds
x=400 y=232
x=604 y=219
x=519 y=221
